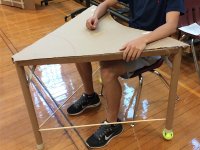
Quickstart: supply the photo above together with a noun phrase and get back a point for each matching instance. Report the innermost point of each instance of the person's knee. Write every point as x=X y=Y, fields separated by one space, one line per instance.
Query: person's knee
x=107 y=73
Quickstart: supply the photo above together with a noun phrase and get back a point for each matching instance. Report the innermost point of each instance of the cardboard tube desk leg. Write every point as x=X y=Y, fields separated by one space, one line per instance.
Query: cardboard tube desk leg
x=30 y=106
x=168 y=132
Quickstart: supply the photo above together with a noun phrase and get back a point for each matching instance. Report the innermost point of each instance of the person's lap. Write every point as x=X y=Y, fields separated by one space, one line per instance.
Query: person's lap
x=126 y=69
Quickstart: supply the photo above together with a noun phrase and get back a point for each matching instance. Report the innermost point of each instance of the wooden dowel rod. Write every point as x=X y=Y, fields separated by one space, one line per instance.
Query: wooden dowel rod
x=99 y=124
x=65 y=101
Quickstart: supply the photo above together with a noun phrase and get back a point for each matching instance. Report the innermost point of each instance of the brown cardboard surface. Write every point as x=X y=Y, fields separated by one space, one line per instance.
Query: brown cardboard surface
x=74 y=39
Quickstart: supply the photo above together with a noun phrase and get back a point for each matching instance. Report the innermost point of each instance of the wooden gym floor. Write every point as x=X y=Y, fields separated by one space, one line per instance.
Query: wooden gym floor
x=53 y=84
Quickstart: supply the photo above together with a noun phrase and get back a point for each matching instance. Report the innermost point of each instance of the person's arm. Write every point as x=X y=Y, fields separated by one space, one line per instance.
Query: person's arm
x=133 y=49
x=165 y=30
x=92 y=22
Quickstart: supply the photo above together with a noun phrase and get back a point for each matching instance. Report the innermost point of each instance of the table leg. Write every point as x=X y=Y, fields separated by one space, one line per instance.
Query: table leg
x=168 y=132
x=30 y=106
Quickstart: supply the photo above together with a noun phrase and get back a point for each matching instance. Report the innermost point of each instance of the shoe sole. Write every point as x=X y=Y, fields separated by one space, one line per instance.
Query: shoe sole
x=108 y=140
x=91 y=106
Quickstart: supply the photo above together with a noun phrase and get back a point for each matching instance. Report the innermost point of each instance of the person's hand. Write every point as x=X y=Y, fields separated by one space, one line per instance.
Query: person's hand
x=92 y=22
x=133 y=49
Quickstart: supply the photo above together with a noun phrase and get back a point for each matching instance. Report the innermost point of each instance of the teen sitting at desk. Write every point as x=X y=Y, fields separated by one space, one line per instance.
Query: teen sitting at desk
x=159 y=16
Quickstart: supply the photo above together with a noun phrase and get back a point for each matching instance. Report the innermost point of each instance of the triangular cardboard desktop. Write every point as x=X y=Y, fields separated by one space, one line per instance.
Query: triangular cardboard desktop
x=74 y=40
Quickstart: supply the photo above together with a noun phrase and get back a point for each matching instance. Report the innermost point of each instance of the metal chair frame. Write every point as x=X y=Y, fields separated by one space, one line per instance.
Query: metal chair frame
x=192 y=15
x=140 y=84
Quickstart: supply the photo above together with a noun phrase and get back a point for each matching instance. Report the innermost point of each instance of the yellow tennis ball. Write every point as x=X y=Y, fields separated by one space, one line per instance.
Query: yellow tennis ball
x=168 y=135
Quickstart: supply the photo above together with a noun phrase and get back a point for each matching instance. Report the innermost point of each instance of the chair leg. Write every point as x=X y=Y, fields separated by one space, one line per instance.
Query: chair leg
x=161 y=77
x=101 y=93
x=182 y=37
x=129 y=105
x=163 y=80
x=137 y=97
x=168 y=62
x=195 y=58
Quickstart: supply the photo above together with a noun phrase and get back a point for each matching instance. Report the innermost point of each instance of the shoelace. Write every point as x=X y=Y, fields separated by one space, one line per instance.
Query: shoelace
x=102 y=131
x=80 y=102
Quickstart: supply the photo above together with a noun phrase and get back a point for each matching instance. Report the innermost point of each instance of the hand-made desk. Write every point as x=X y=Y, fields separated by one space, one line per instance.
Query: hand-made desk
x=74 y=43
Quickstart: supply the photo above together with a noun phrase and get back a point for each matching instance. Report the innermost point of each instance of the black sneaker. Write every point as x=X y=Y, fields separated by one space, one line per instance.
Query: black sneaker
x=103 y=135
x=83 y=103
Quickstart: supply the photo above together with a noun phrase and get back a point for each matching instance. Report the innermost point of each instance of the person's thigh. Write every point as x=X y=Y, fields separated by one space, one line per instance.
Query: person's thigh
x=116 y=67
x=126 y=69
x=139 y=63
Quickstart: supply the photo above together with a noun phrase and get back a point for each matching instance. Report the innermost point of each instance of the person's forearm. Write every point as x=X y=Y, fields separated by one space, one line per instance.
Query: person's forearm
x=159 y=33
x=165 y=30
x=100 y=11
x=102 y=8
